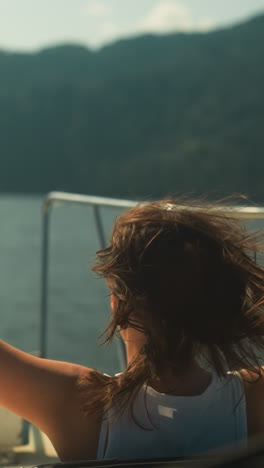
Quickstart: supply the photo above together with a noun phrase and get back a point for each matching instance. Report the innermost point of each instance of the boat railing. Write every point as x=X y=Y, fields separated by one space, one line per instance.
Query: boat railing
x=54 y=199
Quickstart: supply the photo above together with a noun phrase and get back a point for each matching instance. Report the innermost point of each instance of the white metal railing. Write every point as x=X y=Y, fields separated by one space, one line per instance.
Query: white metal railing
x=57 y=198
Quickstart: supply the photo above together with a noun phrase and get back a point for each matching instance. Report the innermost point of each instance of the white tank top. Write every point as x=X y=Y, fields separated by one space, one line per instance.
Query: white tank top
x=179 y=426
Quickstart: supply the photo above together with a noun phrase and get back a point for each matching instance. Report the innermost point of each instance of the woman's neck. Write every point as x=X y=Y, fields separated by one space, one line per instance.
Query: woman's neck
x=193 y=382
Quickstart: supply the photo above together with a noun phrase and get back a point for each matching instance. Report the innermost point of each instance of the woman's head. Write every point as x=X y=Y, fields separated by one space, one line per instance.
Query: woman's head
x=186 y=275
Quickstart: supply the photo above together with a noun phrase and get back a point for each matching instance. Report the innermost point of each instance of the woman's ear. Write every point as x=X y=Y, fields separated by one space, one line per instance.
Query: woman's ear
x=113 y=302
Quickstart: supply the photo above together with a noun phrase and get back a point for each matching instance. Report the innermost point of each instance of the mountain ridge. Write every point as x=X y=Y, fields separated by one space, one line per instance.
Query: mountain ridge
x=137 y=119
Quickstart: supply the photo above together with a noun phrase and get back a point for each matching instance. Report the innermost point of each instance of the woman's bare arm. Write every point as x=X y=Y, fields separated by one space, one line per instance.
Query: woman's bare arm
x=45 y=392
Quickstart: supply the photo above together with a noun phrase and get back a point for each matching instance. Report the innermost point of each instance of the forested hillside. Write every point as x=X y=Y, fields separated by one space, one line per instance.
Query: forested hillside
x=143 y=117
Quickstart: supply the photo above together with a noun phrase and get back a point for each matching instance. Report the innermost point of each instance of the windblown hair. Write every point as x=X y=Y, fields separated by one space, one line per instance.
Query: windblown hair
x=186 y=272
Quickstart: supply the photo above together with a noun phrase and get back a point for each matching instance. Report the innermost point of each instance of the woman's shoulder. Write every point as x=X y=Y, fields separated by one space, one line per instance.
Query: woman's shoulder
x=253 y=380
x=92 y=387
x=253 y=376
x=83 y=416
x=89 y=377
x=254 y=392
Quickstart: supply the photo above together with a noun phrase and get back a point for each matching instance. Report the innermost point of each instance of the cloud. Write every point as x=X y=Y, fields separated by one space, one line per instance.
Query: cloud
x=165 y=17
x=96 y=8
x=110 y=31
x=168 y=16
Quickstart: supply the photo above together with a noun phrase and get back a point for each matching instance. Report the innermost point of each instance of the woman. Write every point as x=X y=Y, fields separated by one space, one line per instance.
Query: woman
x=187 y=298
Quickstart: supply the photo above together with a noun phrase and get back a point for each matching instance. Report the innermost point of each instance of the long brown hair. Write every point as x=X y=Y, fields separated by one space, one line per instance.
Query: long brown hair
x=187 y=272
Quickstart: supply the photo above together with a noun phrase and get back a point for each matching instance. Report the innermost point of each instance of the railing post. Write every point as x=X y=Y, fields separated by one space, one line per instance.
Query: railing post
x=44 y=281
x=99 y=226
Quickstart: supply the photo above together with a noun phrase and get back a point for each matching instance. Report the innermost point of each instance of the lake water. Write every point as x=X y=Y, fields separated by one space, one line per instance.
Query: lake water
x=78 y=301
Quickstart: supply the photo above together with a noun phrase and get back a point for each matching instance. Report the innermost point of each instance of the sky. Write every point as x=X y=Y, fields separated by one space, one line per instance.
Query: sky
x=28 y=25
